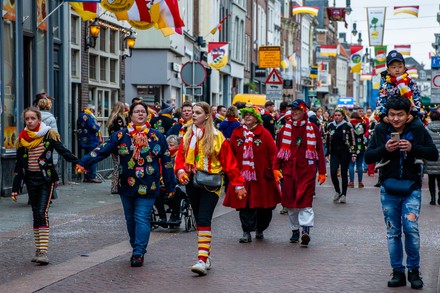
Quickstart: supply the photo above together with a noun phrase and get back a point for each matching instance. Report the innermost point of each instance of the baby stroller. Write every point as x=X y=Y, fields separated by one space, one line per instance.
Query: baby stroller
x=179 y=209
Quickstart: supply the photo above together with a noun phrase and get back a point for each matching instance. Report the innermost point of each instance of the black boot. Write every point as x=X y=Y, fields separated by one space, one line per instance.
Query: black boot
x=414 y=279
x=432 y=202
x=398 y=279
x=295 y=236
x=438 y=200
x=246 y=237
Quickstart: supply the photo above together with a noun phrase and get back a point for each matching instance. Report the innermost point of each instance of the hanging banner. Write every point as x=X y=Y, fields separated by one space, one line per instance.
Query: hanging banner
x=218 y=54
x=41 y=14
x=405 y=50
x=356 y=58
x=337 y=14
x=329 y=50
x=117 y=6
x=376 y=25
x=9 y=8
x=412 y=10
x=380 y=60
x=305 y=9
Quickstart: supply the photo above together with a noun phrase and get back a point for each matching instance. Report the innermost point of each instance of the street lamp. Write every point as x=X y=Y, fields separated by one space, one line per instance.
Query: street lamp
x=347 y=7
x=130 y=41
x=354 y=30
x=359 y=40
x=93 y=31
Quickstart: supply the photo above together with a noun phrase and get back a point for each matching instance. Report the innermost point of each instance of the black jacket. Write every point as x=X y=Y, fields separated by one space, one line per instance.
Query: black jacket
x=51 y=142
x=401 y=165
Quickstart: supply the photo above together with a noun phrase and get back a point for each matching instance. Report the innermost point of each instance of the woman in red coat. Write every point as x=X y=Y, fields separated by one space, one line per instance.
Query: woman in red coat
x=255 y=151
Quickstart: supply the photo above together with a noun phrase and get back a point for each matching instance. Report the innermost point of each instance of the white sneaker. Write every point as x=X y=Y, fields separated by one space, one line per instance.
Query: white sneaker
x=336 y=197
x=343 y=199
x=199 y=268
x=208 y=263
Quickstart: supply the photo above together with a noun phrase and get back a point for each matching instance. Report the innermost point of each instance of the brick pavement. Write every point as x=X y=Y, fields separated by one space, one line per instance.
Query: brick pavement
x=347 y=252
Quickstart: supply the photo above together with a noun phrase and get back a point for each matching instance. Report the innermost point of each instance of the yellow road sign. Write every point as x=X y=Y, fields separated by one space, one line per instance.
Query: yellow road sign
x=269 y=57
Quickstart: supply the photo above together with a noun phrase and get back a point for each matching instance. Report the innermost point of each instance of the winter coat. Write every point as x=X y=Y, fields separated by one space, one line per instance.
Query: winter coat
x=401 y=165
x=163 y=123
x=264 y=192
x=346 y=132
x=88 y=131
x=48 y=119
x=117 y=124
x=137 y=178
x=433 y=167
x=227 y=127
x=299 y=173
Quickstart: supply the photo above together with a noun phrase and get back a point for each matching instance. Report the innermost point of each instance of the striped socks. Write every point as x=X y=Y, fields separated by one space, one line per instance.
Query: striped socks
x=41 y=237
x=204 y=242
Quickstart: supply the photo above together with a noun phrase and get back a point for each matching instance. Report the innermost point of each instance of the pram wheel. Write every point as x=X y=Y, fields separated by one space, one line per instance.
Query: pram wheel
x=187 y=215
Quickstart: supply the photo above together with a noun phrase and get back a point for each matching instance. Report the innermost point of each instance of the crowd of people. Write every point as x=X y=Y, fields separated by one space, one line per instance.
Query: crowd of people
x=262 y=156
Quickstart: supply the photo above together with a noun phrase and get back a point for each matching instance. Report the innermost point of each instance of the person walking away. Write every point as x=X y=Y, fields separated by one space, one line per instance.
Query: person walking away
x=268 y=116
x=34 y=167
x=340 y=147
x=401 y=184
x=255 y=152
x=205 y=152
x=300 y=153
x=164 y=121
x=89 y=137
x=359 y=130
x=143 y=158
x=231 y=122
x=432 y=168
x=116 y=122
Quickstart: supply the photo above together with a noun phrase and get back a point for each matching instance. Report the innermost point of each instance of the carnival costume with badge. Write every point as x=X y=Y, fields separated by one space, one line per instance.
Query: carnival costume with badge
x=35 y=168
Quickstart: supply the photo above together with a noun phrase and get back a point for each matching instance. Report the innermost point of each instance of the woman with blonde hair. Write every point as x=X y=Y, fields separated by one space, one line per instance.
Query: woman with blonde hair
x=203 y=156
x=115 y=123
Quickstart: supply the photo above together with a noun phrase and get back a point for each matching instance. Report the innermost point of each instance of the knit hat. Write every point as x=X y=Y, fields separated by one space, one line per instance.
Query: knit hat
x=393 y=55
x=166 y=109
x=252 y=111
x=299 y=104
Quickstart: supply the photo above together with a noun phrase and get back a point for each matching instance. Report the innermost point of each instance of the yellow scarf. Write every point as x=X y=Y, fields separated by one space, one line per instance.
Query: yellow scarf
x=192 y=156
x=35 y=136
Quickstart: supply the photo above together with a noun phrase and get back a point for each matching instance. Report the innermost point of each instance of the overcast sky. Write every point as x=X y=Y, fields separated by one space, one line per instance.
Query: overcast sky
x=400 y=29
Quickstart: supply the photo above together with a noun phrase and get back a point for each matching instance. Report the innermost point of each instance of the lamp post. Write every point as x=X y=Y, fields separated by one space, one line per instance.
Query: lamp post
x=130 y=41
x=93 y=32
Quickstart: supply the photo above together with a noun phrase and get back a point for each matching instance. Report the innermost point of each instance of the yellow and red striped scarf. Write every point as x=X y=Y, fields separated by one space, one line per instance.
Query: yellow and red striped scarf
x=402 y=83
x=30 y=139
x=140 y=139
x=191 y=156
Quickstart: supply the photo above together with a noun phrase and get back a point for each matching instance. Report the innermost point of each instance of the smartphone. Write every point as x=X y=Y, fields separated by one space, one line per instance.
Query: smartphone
x=395 y=136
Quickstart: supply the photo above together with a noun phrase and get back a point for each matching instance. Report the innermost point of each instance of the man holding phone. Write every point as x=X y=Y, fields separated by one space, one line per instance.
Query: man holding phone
x=401 y=143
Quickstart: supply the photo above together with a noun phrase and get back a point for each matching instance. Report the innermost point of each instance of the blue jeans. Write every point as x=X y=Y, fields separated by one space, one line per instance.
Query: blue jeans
x=359 y=167
x=137 y=211
x=91 y=171
x=397 y=211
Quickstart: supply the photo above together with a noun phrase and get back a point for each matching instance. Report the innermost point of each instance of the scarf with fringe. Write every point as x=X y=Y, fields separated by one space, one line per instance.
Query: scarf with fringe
x=139 y=136
x=191 y=156
x=182 y=129
x=248 y=168
x=286 y=140
x=402 y=83
x=30 y=139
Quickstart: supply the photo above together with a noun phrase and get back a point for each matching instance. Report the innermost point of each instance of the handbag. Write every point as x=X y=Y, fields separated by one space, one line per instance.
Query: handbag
x=399 y=187
x=210 y=182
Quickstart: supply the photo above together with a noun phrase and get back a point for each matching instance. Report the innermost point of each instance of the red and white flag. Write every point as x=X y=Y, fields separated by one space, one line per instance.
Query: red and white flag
x=403 y=49
x=413 y=10
x=329 y=50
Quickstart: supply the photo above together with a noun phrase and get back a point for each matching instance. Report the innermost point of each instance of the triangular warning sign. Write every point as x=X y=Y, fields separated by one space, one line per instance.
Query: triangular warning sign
x=274 y=78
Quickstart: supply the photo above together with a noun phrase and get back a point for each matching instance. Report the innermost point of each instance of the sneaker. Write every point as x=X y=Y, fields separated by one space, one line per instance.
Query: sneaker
x=295 y=236
x=200 y=268
x=259 y=235
x=34 y=258
x=398 y=279
x=208 y=263
x=350 y=184
x=414 y=279
x=336 y=197
x=361 y=185
x=283 y=211
x=137 y=260
x=246 y=238
x=42 y=258
x=305 y=239
x=343 y=199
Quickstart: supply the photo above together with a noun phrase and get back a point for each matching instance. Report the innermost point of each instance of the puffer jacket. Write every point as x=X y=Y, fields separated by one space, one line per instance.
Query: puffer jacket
x=433 y=167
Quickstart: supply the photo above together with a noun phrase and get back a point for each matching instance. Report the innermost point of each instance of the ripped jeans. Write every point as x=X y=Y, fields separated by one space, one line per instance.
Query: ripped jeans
x=402 y=212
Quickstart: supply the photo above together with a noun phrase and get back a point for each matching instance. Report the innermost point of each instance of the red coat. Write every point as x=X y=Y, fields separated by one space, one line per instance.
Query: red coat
x=265 y=192
x=299 y=173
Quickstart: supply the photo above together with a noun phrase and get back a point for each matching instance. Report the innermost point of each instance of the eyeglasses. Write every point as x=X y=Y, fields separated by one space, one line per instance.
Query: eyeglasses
x=139 y=112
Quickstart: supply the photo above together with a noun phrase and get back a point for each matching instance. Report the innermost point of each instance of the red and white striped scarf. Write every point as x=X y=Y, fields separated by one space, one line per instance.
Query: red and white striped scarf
x=286 y=140
x=248 y=168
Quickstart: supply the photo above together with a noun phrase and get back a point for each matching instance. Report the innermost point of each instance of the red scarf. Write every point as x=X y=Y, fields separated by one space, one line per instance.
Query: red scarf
x=140 y=139
x=355 y=121
x=248 y=168
x=286 y=140
x=24 y=134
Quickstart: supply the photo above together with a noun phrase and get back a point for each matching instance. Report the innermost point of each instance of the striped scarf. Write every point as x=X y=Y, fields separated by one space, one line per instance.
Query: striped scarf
x=248 y=168
x=192 y=157
x=184 y=126
x=30 y=139
x=402 y=83
x=286 y=140
x=139 y=136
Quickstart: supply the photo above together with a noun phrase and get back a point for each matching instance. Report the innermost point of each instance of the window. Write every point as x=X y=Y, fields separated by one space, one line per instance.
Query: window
x=103 y=39
x=113 y=68
x=103 y=102
x=113 y=41
x=74 y=30
x=103 y=68
x=92 y=66
x=75 y=64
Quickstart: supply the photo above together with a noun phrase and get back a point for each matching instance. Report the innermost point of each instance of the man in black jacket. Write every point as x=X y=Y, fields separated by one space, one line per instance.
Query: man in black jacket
x=401 y=180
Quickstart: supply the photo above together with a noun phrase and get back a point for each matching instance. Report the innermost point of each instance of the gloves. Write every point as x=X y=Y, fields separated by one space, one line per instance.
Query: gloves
x=241 y=193
x=14 y=196
x=170 y=194
x=321 y=179
x=278 y=175
x=183 y=177
x=80 y=169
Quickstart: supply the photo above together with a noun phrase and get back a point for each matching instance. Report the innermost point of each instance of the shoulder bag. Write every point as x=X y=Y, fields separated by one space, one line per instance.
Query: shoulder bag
x=211 y=182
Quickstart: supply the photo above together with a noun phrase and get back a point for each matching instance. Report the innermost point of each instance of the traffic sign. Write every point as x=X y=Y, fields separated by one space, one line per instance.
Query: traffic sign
x=274 y=91
x=269 y=57
x=193 y=73
x=274 y=78
x=435 y=87
x=435 y=62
